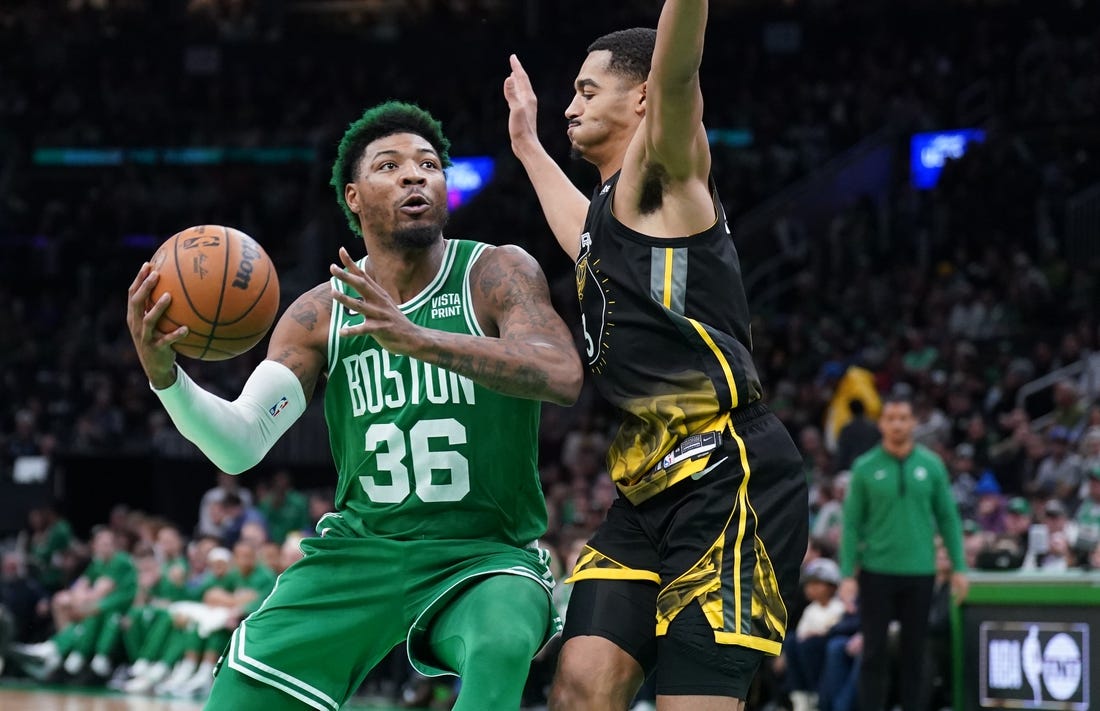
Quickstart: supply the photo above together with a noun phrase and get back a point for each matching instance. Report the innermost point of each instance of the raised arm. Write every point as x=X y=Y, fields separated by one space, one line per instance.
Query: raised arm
x=235 y=435
x=532 y=355
x=562 y=203
x=674 y=133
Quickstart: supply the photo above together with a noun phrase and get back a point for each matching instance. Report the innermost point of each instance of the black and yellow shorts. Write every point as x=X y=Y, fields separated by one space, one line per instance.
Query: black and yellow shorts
x=704 y=566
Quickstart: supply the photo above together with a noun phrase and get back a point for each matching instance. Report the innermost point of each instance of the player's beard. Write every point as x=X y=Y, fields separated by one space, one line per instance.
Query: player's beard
x=419 y=235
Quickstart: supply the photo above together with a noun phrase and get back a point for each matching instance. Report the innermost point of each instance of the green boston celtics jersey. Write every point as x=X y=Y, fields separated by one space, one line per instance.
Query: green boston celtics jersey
x=422 y=452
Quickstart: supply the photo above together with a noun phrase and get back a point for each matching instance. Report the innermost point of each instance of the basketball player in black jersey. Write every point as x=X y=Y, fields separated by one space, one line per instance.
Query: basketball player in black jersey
x=688 y=574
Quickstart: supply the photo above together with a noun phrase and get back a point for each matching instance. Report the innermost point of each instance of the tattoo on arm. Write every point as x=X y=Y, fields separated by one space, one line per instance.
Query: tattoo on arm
x=521 y=379
x=516 y=295
x=307 y=311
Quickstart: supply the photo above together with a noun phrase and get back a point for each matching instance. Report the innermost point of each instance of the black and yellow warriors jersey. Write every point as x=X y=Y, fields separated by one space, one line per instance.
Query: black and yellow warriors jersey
x=666 y=329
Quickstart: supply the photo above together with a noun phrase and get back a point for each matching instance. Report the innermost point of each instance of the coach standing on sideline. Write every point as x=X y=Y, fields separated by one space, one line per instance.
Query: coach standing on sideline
x=899 y=496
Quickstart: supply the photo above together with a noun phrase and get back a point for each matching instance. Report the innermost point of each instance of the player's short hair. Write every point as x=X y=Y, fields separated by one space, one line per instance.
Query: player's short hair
x=631 y=52
x=897 y=399
x=377 y=122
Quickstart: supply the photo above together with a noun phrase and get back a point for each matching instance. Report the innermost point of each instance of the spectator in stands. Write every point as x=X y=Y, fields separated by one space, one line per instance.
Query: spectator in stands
x=980 y=439
x=932 y=428
x=283 y=507
x=839 y=688
x=1017 y=455
x=227 y=484
x=25 y=440
x=320 y=503
x=828 y=522
x=22 y=600
x=1059 y=473
x=1018 y=521
x=1090 y=453
x=1060 y=557
x=238 y=515
x=856 y=437
x=803 y=653
x=1068 y=411
x=989 y=510
x=291 y=550
x=1087 y=516
x=1056 y=519
x=963 y=481
x=50 y=535
x=975 y=541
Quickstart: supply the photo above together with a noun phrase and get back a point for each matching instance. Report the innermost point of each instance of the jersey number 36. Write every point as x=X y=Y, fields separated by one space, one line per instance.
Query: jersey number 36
x=395 y=446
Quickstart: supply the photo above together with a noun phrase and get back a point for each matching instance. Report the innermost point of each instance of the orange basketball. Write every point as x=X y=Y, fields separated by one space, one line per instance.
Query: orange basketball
x=224 y=289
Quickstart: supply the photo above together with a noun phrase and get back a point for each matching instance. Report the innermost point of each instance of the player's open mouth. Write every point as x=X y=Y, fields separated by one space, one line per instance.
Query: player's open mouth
x=415 y=205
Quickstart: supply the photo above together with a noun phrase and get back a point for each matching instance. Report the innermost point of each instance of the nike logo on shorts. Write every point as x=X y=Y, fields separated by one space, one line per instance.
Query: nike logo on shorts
x=702 y=473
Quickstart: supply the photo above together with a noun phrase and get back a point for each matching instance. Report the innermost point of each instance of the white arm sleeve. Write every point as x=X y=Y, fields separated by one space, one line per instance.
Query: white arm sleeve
x=236 y=435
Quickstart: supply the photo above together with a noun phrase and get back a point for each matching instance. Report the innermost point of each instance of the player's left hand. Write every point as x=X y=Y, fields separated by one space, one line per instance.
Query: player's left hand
x=960 y=586
x=381 y=316
x=522 y=104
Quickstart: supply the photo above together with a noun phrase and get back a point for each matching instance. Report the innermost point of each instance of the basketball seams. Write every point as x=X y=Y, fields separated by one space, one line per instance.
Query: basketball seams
x=252 y=304
x=256 y=301
x=221 y=292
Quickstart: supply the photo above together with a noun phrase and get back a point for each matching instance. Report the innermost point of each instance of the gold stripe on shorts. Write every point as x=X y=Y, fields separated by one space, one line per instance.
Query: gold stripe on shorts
x=593 y=565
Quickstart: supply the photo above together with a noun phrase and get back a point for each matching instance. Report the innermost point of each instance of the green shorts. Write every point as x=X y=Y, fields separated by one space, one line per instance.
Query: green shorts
x=339 y=611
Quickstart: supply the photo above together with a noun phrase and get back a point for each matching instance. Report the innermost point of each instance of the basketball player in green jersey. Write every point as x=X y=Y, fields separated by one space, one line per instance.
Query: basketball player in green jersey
x=437 y=353
x=688 y=573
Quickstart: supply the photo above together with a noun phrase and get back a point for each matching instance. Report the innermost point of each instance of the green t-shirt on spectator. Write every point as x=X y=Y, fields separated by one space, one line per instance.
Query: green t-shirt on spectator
x=293 y=515
x=121 y=569
x=261 y=579
x=227 y=582
x=165 y=589
x=57 y=539
x=1088 y=520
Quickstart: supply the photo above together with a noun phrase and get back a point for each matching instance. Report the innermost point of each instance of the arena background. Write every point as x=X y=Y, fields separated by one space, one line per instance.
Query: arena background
x=914 y=187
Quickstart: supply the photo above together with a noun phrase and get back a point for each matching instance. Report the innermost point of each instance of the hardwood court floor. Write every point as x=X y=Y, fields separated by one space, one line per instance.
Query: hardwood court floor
x=19 y=696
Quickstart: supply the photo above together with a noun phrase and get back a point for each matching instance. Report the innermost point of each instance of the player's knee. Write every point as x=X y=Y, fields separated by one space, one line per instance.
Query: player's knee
x=579 y=685
x=505 y=649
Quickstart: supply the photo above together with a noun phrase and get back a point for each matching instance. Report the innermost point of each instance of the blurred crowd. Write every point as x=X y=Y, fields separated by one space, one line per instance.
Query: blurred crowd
x=963 y=297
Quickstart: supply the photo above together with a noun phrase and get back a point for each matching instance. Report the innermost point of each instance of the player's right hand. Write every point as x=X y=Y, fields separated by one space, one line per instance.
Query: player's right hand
x=848 y=592
x=154 y=349
x=522 y=104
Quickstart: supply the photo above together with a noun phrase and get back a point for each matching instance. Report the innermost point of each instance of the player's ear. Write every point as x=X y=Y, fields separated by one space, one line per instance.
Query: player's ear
x=351 y=197
x=640 y=106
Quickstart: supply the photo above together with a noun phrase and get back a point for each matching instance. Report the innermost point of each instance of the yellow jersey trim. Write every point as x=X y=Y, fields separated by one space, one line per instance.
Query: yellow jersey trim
x=768 y=646
x=614 y=574
x=743 y=506
x=721 y=360
x=667 y=296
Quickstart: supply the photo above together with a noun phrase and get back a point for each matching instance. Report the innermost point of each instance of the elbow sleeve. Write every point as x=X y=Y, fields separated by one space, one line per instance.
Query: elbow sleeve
x=236 y=435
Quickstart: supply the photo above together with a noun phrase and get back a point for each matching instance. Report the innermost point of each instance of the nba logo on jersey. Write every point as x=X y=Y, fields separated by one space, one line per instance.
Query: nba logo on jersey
x=278 y=407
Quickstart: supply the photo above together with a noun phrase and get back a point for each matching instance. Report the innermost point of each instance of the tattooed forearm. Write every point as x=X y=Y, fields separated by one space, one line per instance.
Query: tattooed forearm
x=533 y=355
x=520 y=379
x=295 y=360
x=308 y=310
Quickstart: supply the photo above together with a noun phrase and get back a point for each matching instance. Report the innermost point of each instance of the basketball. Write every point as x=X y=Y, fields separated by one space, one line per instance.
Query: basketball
x=224 y=289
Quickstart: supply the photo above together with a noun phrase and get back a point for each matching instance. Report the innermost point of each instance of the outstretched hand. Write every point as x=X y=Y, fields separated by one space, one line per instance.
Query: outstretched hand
x=154 y=349
x=522 y=104
x=381 y=316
